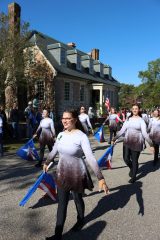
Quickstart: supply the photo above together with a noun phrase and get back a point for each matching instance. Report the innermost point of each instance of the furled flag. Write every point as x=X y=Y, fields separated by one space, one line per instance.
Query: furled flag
x=28 y=151
x=107 y=103
x=105 y=160
x=44 y=182
x=99 y=135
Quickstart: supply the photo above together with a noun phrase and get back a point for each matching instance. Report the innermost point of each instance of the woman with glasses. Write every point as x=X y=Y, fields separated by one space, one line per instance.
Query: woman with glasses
x=72 y=173
x=84 y=119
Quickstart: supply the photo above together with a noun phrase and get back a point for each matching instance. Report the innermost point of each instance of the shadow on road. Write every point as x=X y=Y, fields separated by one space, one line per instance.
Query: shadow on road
x=42 y=202
x=118 y=200
x=92 y=232
x=101 y=147
x=147 y=168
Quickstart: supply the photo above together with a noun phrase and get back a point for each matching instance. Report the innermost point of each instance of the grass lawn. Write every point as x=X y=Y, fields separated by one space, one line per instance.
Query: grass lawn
x=12 y=145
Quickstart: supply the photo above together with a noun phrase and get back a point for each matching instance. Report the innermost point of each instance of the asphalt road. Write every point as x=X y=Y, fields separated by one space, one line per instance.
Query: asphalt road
x=130 y=212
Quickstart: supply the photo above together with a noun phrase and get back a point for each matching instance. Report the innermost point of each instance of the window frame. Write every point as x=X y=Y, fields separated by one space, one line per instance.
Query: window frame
x=67 y=94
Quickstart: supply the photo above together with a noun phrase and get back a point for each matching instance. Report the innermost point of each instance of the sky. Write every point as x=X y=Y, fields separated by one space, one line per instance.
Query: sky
x=127 y=32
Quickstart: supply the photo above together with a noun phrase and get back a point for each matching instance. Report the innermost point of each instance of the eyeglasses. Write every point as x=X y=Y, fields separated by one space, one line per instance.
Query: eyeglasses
x=67 y=119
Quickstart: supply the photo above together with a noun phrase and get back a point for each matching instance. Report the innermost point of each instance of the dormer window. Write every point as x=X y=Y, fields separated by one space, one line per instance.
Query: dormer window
x=74 y=59
x=58 y=51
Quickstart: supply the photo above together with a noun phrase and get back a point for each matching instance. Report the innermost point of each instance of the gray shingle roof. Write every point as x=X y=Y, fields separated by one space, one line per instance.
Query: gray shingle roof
x=42 y=41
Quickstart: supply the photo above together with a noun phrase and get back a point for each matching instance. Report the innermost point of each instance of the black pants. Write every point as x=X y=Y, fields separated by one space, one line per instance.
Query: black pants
x=42 y=148
x=63 y=198
x=131 y=159
x=112 y=132
x=156 y=152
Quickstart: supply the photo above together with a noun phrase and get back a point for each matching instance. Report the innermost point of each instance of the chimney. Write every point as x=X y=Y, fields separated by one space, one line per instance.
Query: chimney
x=95 y=54
x=71 y=44
x=14 y=12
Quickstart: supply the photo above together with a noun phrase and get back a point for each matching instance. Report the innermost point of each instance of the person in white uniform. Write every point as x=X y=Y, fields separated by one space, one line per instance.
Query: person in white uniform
x=84 y=119
x=72 y=174
x=46 y=133
x=154 y=133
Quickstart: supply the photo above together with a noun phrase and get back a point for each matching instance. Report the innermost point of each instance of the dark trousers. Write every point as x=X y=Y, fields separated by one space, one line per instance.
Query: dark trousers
x=1 y=144
x=112 y=132
x=42 y=149
x=131 y=159
x=156 y=152
x=63 y=198
x=15 y=127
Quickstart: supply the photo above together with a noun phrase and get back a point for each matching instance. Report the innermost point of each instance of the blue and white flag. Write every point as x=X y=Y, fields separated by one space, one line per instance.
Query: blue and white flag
x=99 y=135
x=44 y=182
x=106 y=159
x=28 y=151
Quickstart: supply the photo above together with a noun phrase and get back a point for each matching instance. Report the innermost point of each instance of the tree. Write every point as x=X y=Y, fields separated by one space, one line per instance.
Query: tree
x=12 y=44
x=150 y=87
x=126 y=95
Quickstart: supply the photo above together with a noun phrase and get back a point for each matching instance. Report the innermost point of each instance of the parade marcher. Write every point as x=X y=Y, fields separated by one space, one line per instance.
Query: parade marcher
x=30 y=119
x=121 y=115
x=36 y=102
x=145 y=117
x=135 y=133
x=14 y=118
x=154 y=133
x=128 y=114
x=46 y=135
x=84 y=119
x=112 y=118
x=72 y=173
x=1 y=136
x=4 y=119
x=91 y=116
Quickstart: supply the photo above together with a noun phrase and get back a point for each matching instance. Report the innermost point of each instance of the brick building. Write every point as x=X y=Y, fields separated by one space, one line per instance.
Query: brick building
x=68 y=77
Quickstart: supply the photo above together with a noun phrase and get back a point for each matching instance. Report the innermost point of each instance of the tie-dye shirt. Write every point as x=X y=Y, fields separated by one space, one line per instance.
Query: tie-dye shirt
x=154 y=129
x=72 y=172
x=135 y=134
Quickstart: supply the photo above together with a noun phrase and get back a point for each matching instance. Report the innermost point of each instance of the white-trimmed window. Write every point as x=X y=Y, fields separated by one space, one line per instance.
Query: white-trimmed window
x=63 y=56
x=66 y=91
x=82 y=93
x=40 y=89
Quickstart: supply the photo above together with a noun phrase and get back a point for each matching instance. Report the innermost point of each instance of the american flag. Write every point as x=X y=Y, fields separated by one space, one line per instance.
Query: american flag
x=107 y=103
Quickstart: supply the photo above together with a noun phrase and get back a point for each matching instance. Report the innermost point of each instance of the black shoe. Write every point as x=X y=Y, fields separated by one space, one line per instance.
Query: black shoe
x=54 y=237
x=155 y=162
x=130 y=173
x=132 y=180
x=38 y=164
x=78 y=226
x=58 y=234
